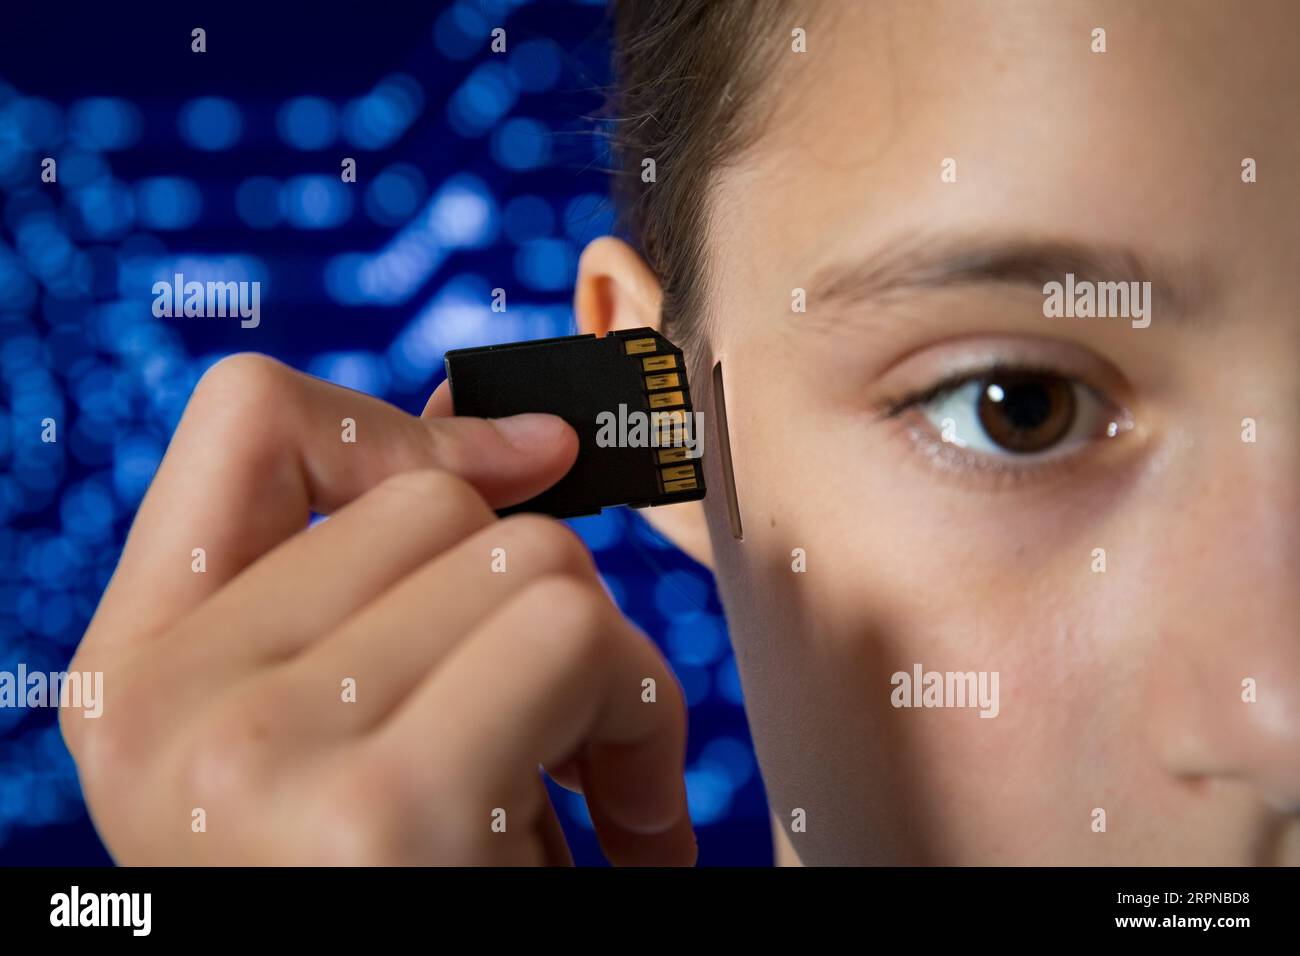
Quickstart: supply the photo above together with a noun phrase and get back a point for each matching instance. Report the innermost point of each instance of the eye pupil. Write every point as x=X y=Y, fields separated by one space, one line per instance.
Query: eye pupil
x=1026 y=412
x=1025 y=405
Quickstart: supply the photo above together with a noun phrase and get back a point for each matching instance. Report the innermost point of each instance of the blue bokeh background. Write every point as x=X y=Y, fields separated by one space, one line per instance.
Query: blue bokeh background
x=476 y=170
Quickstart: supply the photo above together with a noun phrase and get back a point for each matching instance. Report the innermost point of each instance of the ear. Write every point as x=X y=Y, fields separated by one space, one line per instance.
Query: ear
x=617 y=290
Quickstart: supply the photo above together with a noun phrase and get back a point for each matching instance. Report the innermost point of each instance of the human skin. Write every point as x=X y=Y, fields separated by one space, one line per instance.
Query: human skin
x=369 y=690
x=1120 y=690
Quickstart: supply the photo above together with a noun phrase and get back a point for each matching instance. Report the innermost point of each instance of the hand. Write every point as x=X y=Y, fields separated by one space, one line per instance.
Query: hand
x=369 y=690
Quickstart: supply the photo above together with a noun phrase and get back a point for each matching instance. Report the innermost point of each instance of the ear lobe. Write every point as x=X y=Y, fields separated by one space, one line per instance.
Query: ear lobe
x=617 y=290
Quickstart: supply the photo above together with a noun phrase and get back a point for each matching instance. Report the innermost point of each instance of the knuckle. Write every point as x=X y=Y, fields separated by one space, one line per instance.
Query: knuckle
x=358 y=822
x=74 y=724
x=243 y=378
x=545 y=545
x=445 y=443
x=71 y=727
x=104 y=753
x=241 y=388
x=578 y=617
x=433 y=488
x=226 y=762
x=115 y=745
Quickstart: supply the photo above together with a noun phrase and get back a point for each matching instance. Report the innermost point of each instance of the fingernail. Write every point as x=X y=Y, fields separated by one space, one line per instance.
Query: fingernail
x=531 y=433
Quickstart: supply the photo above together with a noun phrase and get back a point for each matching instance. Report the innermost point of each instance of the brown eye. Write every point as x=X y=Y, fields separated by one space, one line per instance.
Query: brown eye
x=1018 y=413
x=1026 y=412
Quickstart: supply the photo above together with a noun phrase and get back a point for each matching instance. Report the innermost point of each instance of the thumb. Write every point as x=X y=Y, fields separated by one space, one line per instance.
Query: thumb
x=508 y=460
x=538 y=450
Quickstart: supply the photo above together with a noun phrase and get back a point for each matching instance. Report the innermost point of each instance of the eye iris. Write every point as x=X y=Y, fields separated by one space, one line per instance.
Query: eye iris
x=1027 y=412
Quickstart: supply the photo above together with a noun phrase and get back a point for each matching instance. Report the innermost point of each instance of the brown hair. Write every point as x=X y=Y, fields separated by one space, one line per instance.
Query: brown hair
x=686 y=74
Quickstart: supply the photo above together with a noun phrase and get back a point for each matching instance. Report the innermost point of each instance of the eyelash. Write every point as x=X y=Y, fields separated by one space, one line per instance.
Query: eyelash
x=1000 y=471
x=894 y=407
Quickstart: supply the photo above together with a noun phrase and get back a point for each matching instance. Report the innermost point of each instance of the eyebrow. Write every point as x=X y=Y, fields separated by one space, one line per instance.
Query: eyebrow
x=920 y=263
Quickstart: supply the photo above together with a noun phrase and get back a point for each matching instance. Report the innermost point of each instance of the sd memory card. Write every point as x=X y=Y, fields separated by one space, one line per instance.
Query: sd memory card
x=625 y=394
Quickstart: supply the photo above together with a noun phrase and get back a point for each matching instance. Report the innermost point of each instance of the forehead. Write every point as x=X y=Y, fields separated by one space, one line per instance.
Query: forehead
x=1144 y=141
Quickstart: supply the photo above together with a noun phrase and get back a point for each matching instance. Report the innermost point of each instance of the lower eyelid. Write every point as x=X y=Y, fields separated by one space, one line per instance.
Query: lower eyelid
x=934 y=374
x=984 y=471
x=1104 y=412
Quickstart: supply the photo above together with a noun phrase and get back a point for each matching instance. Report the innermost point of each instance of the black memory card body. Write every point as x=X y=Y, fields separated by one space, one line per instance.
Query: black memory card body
x=625 y=394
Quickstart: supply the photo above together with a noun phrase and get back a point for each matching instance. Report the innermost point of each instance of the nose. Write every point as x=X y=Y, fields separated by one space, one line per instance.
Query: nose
x=1223 y=688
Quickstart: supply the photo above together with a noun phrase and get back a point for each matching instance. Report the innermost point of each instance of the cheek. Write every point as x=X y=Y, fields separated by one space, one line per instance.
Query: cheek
x=852 y=569
x=817 y=651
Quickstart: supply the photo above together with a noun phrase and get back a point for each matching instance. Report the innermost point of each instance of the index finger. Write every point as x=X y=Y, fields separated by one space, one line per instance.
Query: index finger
x=261 y=447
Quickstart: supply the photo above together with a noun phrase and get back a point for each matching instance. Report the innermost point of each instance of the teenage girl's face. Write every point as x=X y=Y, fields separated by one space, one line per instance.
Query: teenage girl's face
x=1159 y=697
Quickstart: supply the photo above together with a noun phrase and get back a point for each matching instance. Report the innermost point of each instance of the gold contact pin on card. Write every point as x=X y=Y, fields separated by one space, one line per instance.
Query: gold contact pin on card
x=665 y=399
x=582 y=378
x=671 y=416
x=653 y=382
